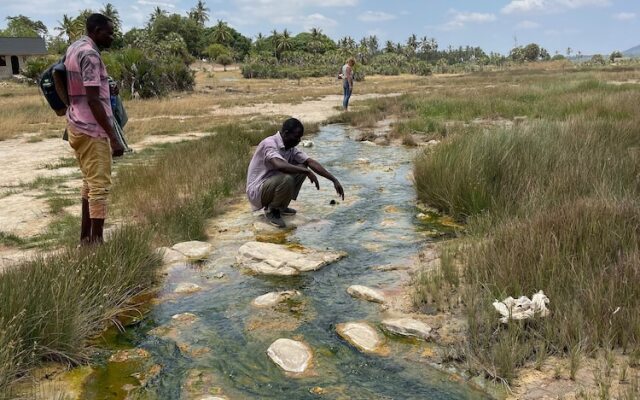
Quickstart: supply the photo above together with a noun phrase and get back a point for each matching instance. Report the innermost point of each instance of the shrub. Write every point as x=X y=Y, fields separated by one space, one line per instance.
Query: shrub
x=148 y=75
x=35 y=66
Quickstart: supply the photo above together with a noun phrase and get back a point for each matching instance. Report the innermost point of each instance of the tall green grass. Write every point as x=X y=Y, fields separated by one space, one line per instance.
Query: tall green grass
x=550 y=204
x=182 y=186
x=515 y=171
x=52 y=306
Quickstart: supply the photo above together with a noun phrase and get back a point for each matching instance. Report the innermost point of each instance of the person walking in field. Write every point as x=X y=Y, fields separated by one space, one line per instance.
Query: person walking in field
x=90 y=123
x=347 y=82
x=278 y=170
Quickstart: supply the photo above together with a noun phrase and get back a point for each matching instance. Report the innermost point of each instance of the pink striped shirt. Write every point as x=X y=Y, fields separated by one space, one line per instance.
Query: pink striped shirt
x=85 y=68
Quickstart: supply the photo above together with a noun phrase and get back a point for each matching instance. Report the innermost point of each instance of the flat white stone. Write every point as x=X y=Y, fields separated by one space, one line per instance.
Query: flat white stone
x=290 y=355
x=407 y=327
x=361 y=335
x=366 y=293
x=186 y=288
x=273 y=298
x=194 y=250
x=170 y=256
x=274 y=259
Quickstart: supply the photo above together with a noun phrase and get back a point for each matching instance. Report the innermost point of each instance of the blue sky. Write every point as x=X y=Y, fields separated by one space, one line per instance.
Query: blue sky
x=589 y=26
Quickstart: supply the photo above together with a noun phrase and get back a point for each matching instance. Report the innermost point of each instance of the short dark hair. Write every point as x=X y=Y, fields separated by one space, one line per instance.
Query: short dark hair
x=95 y=21
x=292 y=125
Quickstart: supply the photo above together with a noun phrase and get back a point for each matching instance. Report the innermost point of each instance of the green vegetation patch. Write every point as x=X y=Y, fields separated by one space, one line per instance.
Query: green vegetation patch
x=53 y=304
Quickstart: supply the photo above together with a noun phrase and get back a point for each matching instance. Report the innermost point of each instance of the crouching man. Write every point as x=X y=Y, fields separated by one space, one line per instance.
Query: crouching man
x=277 y=171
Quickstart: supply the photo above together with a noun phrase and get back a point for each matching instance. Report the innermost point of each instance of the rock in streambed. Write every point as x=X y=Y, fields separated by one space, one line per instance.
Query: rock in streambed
x=366 y=293
x=273 y=259
x=290 y=355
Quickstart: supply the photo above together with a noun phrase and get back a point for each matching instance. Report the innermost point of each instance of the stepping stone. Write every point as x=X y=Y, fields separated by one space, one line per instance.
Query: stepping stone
x=129 y=355
x=273 y=298
x=290 y=355
x=187 y=288
x=366 y=293
x=362 y=336
x=194 y=250
x=170 y=256
x=273 y=259
x=184 y=318
x=407 y=327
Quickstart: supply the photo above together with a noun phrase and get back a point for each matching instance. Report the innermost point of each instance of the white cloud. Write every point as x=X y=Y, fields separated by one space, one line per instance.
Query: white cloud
x=375 y=16
x=288 y=12
x=625 y=16
x=160 y=4
x=527 y=25
x=460 y=19
x=317 y=21
x=536 y=6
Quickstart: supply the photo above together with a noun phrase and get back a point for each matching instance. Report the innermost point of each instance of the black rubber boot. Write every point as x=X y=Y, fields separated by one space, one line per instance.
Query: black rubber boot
x=97 y=226
x=85 y=227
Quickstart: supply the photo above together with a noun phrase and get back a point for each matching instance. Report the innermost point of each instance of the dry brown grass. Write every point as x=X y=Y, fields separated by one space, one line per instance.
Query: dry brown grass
x=23 y=109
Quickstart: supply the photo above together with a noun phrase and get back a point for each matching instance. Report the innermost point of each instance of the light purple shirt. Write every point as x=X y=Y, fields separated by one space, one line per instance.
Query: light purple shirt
x=261 y=168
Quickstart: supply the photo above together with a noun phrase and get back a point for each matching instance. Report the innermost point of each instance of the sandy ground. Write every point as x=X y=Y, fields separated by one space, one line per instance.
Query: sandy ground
x=307 y=111
x=25 y=213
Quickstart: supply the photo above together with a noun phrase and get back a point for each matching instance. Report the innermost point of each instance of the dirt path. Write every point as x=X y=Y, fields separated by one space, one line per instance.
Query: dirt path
x=26 y=167
x=308 y=111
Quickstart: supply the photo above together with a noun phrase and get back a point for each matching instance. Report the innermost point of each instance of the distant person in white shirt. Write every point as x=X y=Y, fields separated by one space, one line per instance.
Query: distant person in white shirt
x=347 y=82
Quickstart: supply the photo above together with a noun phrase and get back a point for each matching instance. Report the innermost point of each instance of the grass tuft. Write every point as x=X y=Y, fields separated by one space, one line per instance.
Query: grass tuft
x=52 y=306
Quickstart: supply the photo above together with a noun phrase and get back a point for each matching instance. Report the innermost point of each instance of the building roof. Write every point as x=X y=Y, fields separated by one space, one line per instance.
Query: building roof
x=14 y=46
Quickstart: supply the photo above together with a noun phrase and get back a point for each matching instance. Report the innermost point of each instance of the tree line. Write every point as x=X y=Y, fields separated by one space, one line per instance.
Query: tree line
x=174 y=39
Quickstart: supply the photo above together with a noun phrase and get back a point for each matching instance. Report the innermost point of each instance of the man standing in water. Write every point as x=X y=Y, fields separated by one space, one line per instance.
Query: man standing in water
x=277 y=171
x=90 y=123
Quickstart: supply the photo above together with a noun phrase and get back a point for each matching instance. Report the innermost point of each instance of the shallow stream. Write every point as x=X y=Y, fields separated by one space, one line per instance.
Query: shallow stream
x=222 y=351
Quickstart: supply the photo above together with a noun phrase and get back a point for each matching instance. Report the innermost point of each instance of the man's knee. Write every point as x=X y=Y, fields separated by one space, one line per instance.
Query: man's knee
x=288 y=182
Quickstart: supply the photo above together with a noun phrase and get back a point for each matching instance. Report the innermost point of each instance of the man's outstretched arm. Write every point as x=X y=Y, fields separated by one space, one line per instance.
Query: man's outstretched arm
x=320 y=170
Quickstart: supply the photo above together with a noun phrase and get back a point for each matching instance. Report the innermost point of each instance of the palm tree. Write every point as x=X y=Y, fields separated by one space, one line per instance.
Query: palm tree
x=412 y=46
x=222 y=33
x=315 y=44
x=373 y=44
x=200 y=13
x=70 y=27
x=275 y=37
x=316 y=32
x=157 y=12
x=284 y=42
x=389 y=47
x=110 y=11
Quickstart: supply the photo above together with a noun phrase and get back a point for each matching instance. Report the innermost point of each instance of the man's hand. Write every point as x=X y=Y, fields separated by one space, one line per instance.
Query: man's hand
x=117 y=150
x=339 y=189
x=313 y=178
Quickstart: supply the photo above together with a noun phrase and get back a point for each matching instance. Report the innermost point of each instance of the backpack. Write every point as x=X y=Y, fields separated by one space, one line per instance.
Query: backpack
x=53 y=84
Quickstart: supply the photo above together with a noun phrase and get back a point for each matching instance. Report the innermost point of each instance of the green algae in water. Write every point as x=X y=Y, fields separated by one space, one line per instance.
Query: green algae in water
x=112 y=381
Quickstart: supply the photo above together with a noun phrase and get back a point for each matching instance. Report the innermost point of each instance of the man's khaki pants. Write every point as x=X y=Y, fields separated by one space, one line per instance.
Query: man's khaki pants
x=94 y=157
x=280 y=189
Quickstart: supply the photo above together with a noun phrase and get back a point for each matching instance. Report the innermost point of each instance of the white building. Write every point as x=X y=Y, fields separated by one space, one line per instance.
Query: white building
x=15 y=51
